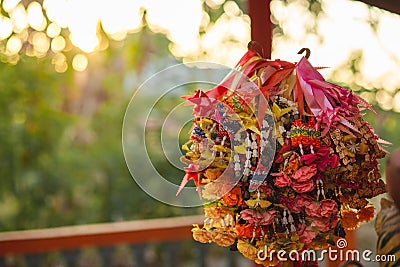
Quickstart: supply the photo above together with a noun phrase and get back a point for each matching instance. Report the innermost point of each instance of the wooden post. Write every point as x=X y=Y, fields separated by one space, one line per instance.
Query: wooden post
x=261 y=26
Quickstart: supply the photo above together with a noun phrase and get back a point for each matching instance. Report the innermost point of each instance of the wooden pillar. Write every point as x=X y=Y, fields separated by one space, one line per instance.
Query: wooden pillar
x=261 y=26
x=261 y=29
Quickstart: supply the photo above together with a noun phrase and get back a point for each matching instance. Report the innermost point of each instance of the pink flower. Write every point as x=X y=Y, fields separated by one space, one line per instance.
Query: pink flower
x=303 y=187
x=282 y=179
x=250 y=215
x=261 y=218
x=324 y=224
x=328 y=207
x=306 y=234
x=268 y=217
x=305 y=173
x=300 y=202
x=313 y=209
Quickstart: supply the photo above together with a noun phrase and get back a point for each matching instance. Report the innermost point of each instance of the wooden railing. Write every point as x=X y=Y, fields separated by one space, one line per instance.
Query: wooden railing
x=105 y=234
x=171 y=236
x=34 y=245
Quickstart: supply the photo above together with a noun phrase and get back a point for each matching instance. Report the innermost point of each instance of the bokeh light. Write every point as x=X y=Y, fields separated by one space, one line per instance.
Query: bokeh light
x=58 y=44
x=14 y=44
x=35 y=16
x=60 y=62
x=60 y=26
x=53 y=30
x=19 y=18
x=6 y=27
x=80 y=62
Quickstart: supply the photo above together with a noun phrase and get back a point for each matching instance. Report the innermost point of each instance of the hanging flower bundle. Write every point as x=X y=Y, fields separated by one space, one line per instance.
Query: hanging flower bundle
x=283 y=159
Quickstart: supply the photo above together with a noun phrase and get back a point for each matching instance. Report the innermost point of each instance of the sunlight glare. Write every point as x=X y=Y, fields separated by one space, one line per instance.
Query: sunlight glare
x=57 y=11
x=121 y=16
x=85 y=39
x=342 y=34
x=182 y=28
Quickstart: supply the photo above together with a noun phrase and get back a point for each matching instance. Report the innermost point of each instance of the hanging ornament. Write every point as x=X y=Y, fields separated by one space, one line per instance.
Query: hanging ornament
x=323 y=172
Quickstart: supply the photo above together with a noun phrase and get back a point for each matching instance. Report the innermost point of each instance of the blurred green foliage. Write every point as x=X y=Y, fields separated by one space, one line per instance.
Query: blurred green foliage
x=61 y=160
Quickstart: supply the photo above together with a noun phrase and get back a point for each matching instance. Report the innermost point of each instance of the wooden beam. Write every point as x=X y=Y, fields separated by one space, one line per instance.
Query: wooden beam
x=261 y=26
x=105 y=234
x=388 y=5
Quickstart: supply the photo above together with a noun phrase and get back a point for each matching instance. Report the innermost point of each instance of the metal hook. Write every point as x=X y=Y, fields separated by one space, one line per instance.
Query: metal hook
x=307 y=50
x=251 y=45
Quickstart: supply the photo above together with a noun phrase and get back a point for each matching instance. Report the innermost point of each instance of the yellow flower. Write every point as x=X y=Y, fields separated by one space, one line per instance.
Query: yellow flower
x=225 y=238
x=248 y=250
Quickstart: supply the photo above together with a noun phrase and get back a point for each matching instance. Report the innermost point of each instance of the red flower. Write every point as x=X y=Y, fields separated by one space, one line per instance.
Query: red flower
x=321 y=158
x=308 y=158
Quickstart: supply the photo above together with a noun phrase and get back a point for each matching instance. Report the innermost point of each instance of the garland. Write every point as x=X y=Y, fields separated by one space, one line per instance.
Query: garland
x=316 y=182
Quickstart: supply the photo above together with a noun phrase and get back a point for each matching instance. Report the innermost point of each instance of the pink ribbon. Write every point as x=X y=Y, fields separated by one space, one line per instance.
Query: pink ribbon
x=329 y=103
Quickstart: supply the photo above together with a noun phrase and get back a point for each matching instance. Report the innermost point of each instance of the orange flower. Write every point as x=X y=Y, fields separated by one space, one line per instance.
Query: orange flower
x=217 y=212
x=366 y=214
x=212 y=174
x=233 y=197
x=224 y=238
x=247 y=230
x=349 y=220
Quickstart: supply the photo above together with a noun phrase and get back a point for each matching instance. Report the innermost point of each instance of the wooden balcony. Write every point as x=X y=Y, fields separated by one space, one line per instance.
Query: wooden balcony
x=105 y=234
x=168 y=241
